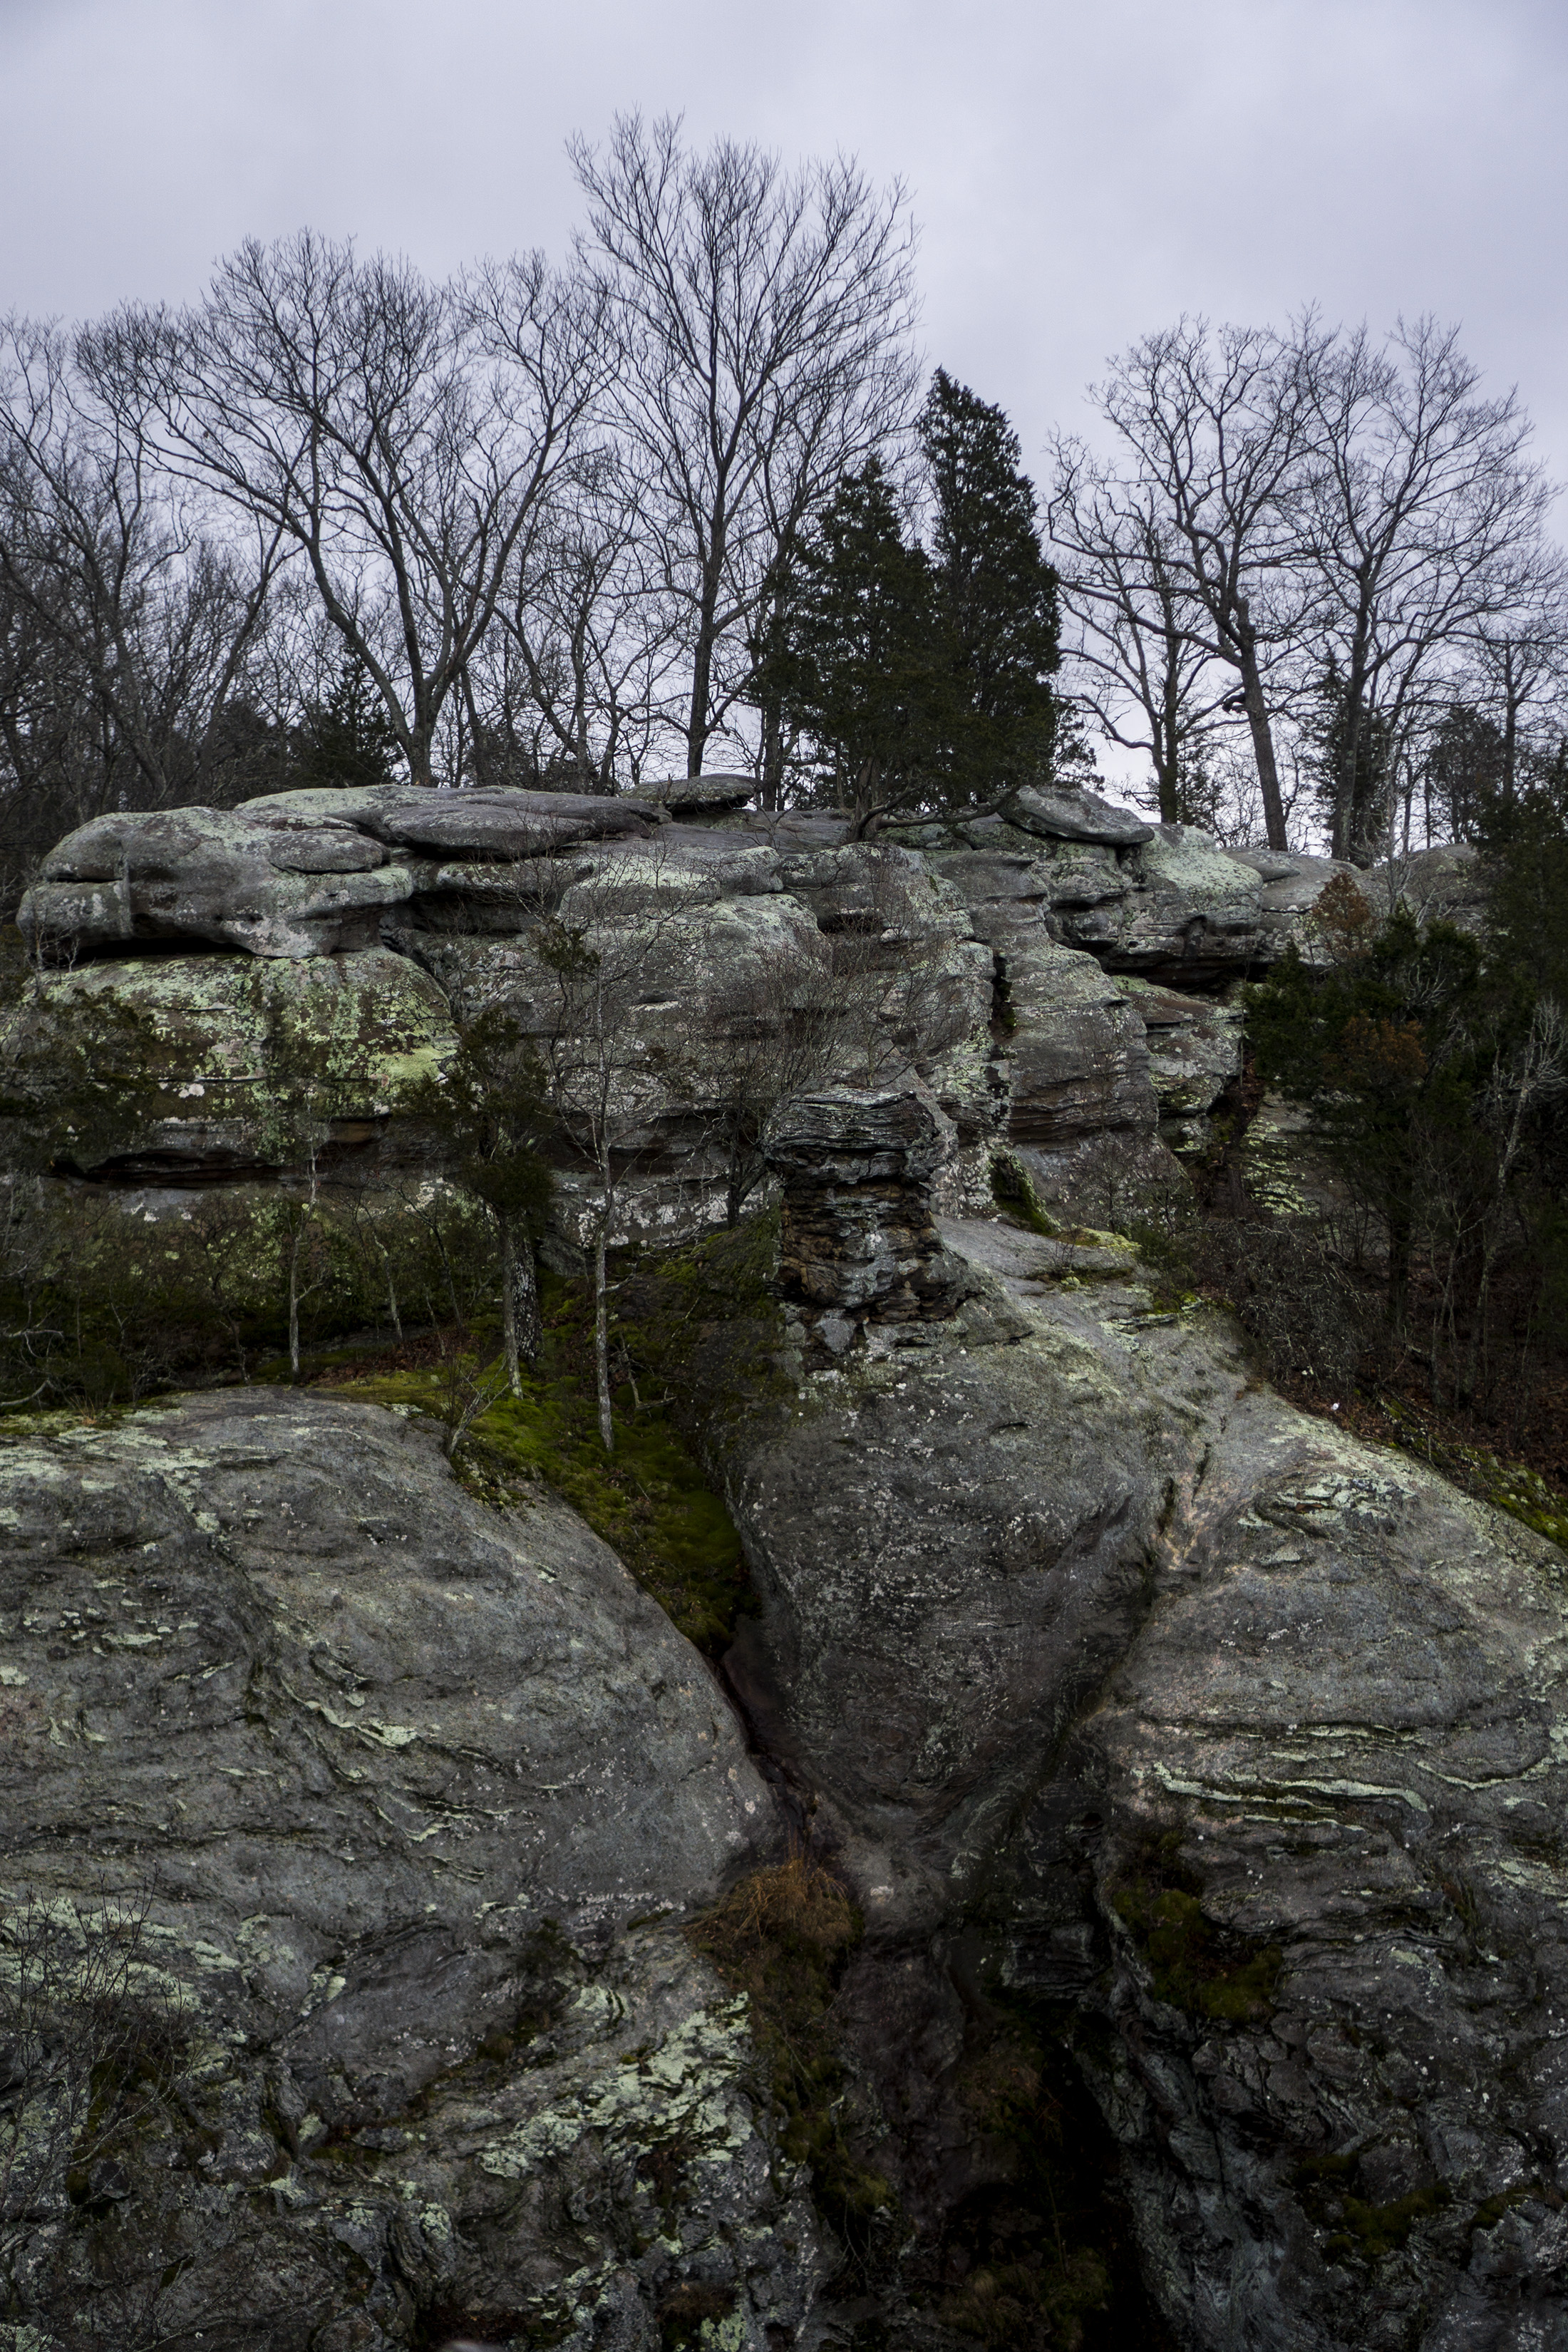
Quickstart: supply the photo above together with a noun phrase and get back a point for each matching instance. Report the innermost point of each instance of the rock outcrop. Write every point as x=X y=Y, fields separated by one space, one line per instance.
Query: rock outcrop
x=350 y=1822
x=858 y=1249
x=331 y=1802
x=988 y=955
x=1125 y=1687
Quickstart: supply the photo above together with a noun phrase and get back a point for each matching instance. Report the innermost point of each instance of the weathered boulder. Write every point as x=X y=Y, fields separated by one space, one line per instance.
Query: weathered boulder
x=292 y=874
x=1445 y=885
x=498 y=824
x=714 y=790
x=188 y=1068
x=1124 y=1685
x=365 y=1784
x=1072 y=1045
x=1195 y=1056
x=1076 y=816
x=120 y=882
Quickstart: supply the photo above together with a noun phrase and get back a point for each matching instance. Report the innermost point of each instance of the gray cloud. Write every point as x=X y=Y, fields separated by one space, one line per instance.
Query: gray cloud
x=1080 y=173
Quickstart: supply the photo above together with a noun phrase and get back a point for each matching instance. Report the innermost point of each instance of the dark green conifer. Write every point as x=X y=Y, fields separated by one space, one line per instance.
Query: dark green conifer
x=994 y=598
x=348 y=739
x=851 y=656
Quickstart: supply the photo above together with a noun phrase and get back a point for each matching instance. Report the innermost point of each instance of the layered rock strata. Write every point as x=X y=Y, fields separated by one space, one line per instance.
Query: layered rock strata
x=1031 y=966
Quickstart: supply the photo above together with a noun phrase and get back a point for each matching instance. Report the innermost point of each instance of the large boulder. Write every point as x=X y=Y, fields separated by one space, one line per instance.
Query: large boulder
x=1194 y=1057
x=1076 y=816
x=292 y=874
x=334 y=1800
x=1072 y=1042
x=1128 y=1687
x=122 y=883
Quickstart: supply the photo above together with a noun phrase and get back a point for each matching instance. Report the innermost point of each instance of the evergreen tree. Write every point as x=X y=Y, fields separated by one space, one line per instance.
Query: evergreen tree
x=851 y=652
x=994 y=598
x=347 y=739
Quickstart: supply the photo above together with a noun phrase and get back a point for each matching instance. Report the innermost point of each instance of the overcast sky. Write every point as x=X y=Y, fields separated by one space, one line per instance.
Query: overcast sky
x=1080 y=173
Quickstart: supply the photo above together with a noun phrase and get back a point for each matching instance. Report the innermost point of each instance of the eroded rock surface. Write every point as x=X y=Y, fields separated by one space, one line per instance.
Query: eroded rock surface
x=1130 y=1690
x=996 y=958
x=369 y=1785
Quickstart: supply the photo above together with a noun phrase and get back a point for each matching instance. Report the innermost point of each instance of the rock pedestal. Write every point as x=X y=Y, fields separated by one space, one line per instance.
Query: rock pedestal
x=859 y=1244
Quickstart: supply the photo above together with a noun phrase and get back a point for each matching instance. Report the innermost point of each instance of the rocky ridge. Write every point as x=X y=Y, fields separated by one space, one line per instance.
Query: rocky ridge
x=1148 y=1721
x=1052 y=973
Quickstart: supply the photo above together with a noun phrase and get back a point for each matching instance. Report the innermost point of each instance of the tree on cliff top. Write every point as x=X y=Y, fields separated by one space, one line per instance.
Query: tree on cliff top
x=994 y=597
x=347 y=738
x=853 y=659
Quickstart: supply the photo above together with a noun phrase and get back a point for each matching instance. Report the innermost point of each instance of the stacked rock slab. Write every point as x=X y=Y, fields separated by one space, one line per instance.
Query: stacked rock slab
x=1032 y=966
x=857 y=1245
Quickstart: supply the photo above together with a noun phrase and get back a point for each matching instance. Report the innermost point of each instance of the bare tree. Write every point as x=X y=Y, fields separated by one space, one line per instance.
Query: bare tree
x=1421 y=531
x=128 y=629
x=617 y=955
x=592 y=626
x=762 y=319
x=398 y=435
x=1135 y=642
x=1214 y=424
x=1519 y=657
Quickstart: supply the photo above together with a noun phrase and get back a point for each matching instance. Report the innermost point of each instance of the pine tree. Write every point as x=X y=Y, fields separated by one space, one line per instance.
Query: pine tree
x=994 y=598
x=851 y=654
x=348 y=739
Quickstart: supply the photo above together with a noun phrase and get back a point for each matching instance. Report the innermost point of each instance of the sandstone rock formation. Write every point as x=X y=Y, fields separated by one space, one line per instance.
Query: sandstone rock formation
x=370 y=1786
x=992 y=956
x=1149 y=1722
x=1126 y=1687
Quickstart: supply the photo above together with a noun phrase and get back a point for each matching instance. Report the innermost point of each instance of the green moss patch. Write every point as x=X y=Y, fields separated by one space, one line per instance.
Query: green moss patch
x=1509 y=1486
x=1194 y=1964
x=1014 y=1193
x=648 y=1500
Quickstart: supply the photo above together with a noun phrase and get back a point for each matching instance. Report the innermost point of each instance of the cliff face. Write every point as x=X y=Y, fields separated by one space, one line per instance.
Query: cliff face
x=1131 y=1691
x=1050 y=975
x=352 y=1827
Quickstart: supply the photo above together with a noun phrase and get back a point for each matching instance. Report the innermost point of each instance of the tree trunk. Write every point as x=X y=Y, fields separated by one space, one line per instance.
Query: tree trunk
x=521 y=1328
x=1167 y=733
x=1263 y=752
x=1399 y=1240
x=296 y=1240
x=601 y=1345
x=1257 y=721
x=420 y=770
x=772 y=755
x=706 y=630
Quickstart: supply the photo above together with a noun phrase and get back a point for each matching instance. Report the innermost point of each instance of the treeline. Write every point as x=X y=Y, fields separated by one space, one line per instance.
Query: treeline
x=689 y=500
x=1333 y=550
x=526 y=526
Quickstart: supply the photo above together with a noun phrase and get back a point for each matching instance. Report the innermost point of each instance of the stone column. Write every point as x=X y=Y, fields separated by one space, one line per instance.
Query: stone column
x=859 y=1246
